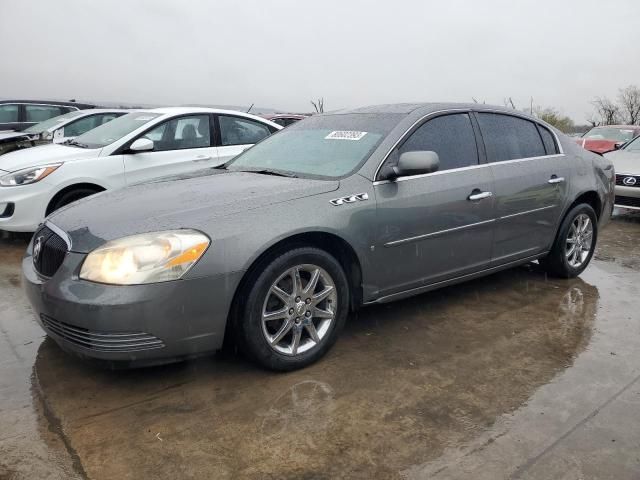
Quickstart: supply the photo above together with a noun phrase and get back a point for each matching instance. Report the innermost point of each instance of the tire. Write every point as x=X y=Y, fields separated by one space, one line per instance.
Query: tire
x=70 y=197
x=272 y=343
x=560 y=262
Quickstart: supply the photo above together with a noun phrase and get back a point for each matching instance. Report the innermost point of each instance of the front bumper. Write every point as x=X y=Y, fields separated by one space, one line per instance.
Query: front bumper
x=27 y=205
x=135 y=325
x=628 y=197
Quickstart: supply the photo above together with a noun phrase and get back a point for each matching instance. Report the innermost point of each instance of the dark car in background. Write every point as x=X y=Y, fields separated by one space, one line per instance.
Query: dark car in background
x=340 y=210
x=608 y=138
x=284 y=119
x=21 y=114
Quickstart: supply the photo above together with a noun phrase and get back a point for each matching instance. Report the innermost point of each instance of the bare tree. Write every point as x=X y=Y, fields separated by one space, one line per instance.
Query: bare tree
x=606 y=110
x=629 y=100
x=555 y=118
x=319 y=105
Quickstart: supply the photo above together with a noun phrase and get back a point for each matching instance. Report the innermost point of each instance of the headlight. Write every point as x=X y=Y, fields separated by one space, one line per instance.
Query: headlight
x=28 y=175
x=146 y=258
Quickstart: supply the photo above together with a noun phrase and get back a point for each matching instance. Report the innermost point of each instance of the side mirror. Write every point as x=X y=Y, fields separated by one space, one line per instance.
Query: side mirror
x=416 y=163
x=141 y=145
x=618 y=145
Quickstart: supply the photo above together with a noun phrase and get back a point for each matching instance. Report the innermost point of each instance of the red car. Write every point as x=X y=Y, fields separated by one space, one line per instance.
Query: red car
x=607 y=138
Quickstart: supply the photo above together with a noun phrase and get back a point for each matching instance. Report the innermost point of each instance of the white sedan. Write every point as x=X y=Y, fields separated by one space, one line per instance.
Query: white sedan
x=136 y=147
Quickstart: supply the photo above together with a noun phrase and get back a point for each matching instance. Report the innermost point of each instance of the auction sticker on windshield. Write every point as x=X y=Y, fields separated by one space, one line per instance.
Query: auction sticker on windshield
x=345 y=135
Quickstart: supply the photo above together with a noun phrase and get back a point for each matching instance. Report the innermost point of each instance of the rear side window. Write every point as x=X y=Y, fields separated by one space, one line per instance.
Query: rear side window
x=8 y=113
x=548 y=140
x=509 y=138
x=241 y=131
x=39 y=113
x=450 y=136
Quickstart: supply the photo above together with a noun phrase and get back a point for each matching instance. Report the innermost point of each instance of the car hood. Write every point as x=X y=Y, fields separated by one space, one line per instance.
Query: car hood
x=43 y=154
x=13 y=136
x=625 y=162
x=598 y=146
x=173 y=204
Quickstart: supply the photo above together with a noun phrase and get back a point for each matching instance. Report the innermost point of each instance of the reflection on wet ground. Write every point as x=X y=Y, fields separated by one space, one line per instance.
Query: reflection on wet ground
x=504 y=376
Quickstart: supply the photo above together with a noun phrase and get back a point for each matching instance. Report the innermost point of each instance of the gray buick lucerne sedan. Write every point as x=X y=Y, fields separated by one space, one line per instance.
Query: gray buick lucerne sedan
x=337 y=211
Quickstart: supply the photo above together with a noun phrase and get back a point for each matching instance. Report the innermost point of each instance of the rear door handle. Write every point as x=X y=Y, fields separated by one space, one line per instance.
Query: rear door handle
x=201 y=158
x=553 y=180
x=474 y=197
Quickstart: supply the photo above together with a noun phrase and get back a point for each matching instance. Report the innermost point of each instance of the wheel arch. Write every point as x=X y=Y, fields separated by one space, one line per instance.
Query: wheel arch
x=330 y=242
x=70 y=187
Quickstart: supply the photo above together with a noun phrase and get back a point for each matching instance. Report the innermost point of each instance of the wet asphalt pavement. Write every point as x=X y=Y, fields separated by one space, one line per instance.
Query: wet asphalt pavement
x=510 y=376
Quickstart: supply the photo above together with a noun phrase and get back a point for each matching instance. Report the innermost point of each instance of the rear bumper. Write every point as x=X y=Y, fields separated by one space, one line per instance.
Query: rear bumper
x=130 y=325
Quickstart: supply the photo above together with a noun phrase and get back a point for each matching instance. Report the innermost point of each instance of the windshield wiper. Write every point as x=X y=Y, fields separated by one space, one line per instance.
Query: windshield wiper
x=77 y=144
x=267 y=171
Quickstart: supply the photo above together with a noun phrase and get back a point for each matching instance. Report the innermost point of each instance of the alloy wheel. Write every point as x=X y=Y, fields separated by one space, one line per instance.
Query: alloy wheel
x=579 y=240
x=299 y=309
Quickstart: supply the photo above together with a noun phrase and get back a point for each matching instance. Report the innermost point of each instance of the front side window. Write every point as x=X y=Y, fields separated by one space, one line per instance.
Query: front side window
x=113 y=131
x=509 y=138
x=450 y=136
x=8 y=113
x=324 y=146
x=241 y=131
x=180 y=133
x=39 y=113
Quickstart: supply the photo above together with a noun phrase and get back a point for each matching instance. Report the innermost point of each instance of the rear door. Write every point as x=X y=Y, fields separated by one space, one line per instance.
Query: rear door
x=530 y=184
x=436 y=226
x=237 y=134
x=181 y=144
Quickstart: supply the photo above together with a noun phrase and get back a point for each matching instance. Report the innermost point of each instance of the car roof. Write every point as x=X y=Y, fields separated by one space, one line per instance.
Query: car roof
x=427 y=107
x=93 y=111
x=630 y=127
x=49 y=102
x=187 y=110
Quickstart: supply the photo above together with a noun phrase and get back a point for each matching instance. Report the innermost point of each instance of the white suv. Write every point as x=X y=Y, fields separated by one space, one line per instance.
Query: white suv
x=133 y=148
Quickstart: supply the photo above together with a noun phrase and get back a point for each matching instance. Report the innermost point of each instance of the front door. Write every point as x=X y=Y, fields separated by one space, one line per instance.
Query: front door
x=181 y=145
x=436 y=226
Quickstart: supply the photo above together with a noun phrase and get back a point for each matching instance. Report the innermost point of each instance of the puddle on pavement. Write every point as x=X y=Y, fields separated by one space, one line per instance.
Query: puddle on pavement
x=404 y=381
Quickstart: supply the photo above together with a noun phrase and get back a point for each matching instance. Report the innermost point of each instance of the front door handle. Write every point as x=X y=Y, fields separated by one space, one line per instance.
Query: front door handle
x=478 y=195
x=201 y=158
x=553 y=180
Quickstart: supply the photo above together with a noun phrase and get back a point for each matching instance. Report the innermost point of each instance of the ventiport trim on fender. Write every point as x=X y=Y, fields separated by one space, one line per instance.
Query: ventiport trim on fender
x=350 y=199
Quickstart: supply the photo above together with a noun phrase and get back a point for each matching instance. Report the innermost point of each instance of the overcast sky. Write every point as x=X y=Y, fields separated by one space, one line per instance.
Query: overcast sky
x=282 y=53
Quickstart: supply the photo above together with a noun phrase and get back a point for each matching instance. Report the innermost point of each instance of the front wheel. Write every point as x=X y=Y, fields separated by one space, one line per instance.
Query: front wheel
x=574 y=244
x=294 y=309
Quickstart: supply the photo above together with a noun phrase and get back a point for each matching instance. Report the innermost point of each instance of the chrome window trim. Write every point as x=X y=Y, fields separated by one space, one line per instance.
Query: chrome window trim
x=466 y=110
x=61 y=233
x=471 y=167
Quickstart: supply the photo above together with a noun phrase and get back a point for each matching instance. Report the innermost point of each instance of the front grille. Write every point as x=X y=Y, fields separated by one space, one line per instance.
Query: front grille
x=627 y=201
x=620 y=180
x=49 y=250
x=101 y=341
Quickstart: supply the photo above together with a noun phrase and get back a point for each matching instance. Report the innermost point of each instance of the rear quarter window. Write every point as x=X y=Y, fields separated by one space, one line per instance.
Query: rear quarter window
x=509 y=138
x=548 y=140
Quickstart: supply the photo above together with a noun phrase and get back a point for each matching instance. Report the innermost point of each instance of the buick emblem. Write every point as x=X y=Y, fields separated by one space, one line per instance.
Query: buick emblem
x=37 y=247
x=629 y=181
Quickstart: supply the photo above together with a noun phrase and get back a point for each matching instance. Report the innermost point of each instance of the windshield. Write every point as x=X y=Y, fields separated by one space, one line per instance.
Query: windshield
x=633 y=146
x=52 y=122
x=328 y=146
x=609 y=133
x=114 y=130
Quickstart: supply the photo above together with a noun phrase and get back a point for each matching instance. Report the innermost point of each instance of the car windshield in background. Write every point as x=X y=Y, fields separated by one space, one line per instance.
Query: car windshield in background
x=52 y=122
x=327 y=146
x=607 y=133
x=114 y=130
x=633 y=146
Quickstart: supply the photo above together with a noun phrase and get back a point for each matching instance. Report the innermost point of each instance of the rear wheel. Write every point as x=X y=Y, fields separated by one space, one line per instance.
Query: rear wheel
x=294 y=310
x=574 y=244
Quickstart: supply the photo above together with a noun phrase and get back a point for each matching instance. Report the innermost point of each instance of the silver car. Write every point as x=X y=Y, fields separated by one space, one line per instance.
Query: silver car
x=337 y=211
x=627 y=164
